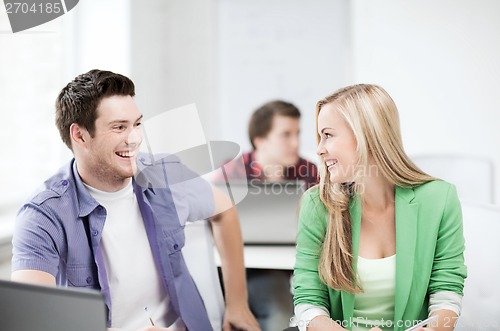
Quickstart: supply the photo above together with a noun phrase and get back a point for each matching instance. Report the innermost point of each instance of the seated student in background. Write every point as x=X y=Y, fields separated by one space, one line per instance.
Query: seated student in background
x=380 y=243
x=274 y=134
x=94 y=225
x=273 y=131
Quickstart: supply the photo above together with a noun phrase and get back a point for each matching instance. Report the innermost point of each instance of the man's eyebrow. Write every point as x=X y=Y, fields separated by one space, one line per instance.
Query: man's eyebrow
x=117 y=122
x=125 y=121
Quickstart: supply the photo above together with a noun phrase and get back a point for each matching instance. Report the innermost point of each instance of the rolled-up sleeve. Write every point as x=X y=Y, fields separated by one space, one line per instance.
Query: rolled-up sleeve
x=449 y=270
x=35 y=241
x=305 y=313
x=308 y=288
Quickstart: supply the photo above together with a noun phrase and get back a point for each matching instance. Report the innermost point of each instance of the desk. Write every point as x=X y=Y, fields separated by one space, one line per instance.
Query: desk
x=266 y=257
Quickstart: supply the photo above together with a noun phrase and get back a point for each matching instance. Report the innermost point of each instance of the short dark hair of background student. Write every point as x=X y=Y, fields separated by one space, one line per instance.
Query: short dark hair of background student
x=261 y=121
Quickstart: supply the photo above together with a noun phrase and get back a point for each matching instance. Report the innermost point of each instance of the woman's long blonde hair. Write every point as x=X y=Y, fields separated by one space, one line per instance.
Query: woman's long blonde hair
x=373 y=118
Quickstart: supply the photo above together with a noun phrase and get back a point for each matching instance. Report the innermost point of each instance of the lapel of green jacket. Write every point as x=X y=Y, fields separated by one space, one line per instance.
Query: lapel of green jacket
x=406 y=239
x=406 y=229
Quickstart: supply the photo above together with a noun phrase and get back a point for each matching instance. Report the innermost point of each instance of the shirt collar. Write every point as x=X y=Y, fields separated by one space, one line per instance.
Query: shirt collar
x=86 y=202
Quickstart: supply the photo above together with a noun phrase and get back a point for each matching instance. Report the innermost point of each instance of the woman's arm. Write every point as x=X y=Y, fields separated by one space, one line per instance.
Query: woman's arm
x=311 y=298
x=449 y=270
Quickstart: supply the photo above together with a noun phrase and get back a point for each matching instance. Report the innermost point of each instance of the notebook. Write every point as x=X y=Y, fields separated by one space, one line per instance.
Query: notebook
x=269 y=212
x=27 y=307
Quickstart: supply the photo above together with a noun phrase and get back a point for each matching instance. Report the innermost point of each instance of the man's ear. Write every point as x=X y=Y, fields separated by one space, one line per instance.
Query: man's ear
x=257 y=141
x=78 y=135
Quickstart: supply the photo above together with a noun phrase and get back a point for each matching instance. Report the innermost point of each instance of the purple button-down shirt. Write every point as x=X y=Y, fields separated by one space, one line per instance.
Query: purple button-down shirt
x=51 y=235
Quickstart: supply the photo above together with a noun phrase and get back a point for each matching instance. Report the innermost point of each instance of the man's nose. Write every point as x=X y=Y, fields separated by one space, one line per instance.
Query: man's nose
x=135 y=137
x=295 y=142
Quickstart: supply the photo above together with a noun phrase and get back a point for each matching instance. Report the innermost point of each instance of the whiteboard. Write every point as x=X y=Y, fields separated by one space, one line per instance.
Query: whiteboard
x=293 y=50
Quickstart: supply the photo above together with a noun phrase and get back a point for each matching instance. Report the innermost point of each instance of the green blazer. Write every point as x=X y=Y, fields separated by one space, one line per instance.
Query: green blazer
x=429 y=251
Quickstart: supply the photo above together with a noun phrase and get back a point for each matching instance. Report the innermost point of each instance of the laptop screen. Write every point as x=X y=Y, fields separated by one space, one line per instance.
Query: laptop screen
x=27 y=307
x=268 y=212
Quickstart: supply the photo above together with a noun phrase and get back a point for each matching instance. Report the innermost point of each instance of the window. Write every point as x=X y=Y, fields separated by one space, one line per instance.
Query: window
x=31 y=72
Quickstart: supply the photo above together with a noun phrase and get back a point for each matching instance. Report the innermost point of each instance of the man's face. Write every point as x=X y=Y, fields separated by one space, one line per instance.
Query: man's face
x=111 y=154
x=281 y=145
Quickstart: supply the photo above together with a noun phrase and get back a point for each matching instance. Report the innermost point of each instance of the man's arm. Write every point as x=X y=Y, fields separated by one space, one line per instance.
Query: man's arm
x=227 y=237
x=33 y=276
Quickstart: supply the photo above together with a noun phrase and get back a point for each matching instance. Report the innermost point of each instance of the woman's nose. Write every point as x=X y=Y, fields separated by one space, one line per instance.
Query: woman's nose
x=320 y=150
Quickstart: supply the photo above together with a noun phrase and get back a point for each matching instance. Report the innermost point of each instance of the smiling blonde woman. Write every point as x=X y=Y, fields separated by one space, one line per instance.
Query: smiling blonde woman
x=380 y=242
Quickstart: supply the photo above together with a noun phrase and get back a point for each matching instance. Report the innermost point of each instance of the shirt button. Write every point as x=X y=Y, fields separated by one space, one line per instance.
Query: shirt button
x=64 y=182
x=89 y=280
x=95 y=232
x=176 y=246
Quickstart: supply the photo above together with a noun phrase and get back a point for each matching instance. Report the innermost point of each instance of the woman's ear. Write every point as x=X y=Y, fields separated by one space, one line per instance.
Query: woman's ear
x=78 y=135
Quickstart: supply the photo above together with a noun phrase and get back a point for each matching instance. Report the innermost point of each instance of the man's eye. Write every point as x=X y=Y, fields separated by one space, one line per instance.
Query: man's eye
x=119 y=127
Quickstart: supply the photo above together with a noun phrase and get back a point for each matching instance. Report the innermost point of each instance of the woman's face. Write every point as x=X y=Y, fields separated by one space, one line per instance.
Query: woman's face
x=337 y=147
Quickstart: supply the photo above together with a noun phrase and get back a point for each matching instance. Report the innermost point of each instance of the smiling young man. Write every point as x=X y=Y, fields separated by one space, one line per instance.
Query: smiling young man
x=106 y=220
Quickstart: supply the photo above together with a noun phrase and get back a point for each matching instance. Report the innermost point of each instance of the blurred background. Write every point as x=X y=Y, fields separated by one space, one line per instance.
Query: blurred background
x=438 y=59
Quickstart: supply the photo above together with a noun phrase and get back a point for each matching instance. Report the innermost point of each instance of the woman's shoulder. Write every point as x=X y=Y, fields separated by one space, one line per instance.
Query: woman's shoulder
x=436 y=190
x=311 y=201
x=313 y=213
x=311 y=196
x=437 y=186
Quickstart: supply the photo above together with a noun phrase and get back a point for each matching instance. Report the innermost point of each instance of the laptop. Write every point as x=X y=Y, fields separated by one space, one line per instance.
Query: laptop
x=27 y=307
x=269 y=212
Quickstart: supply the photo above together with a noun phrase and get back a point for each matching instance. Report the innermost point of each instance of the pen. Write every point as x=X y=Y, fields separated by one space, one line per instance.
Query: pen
x=149 y=316
x=424 y=322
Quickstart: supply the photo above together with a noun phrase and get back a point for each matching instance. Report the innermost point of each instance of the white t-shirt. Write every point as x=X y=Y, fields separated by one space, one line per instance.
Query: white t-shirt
x=132 y=274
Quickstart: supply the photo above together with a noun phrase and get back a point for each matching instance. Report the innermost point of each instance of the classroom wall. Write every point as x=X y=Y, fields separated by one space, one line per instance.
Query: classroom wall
x=172 y=57
x=97 y=36
x=229 y=57
x=439 y=61
x=265 y=50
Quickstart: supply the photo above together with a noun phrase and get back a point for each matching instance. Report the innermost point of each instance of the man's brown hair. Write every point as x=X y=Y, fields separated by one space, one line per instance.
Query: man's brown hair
x=261 y=121
x=78 y=101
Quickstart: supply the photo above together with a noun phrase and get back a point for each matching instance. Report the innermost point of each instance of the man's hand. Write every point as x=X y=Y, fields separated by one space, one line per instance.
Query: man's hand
x=239 y=318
